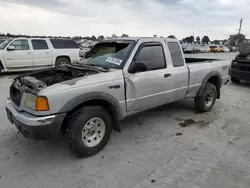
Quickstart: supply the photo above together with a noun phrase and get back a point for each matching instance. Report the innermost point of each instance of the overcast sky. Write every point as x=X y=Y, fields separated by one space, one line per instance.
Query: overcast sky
x=215 y=18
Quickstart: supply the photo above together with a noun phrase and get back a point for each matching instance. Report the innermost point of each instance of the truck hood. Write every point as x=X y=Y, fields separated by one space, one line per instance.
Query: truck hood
x=84 y=81
x=56 y=79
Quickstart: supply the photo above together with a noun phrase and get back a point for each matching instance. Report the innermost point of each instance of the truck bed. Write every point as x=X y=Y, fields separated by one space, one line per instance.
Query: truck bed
x=199 y=68
x=190 y=60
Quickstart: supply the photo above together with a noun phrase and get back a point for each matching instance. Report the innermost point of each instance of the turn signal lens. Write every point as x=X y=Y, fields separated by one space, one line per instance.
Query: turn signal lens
x=42 y=104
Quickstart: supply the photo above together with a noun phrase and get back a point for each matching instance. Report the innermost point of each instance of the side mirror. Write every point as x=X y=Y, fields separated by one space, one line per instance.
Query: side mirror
x=10 y=48
x=137 y=66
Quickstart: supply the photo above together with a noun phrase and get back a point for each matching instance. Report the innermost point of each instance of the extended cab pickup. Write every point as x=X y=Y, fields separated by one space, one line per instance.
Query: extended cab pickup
x=21 y=54
x=118 y=78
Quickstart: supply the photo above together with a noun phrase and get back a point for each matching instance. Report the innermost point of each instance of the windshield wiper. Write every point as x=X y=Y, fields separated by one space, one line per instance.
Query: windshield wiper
x=94 y=65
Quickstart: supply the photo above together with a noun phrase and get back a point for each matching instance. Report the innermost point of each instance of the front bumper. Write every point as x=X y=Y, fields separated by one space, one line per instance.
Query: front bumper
x=39 y=128
x=240 y=75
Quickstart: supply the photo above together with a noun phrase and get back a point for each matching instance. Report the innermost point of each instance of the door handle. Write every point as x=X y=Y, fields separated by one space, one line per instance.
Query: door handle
x=29 y=53
x=167 y=75
x=46 y=52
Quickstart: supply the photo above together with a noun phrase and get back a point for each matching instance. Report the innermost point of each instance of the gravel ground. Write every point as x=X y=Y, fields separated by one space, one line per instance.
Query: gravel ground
x=171 y=146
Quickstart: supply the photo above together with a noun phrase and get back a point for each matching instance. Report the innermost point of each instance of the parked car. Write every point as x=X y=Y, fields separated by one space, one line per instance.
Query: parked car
x=21 y=54
x=215 y=49
x=122 y=77
x=204 y=49
x=189 y=50
x=240 y=66
x=224 y=49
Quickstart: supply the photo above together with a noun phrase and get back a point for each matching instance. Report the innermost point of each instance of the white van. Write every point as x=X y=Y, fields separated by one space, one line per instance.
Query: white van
x=22 y=54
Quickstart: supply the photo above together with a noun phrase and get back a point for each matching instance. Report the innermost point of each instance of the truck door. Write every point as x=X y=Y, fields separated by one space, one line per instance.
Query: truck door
x=41 y=53
x=18 y=54
x=148 y=88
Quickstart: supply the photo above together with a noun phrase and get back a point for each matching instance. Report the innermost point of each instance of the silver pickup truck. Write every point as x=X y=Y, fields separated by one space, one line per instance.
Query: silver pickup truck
x=118 y=78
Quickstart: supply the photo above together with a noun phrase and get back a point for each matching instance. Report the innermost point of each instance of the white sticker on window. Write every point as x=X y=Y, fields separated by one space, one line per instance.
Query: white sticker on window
x=114 y=60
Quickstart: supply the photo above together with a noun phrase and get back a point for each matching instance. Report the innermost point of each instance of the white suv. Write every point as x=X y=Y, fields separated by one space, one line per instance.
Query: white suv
x=21 y=54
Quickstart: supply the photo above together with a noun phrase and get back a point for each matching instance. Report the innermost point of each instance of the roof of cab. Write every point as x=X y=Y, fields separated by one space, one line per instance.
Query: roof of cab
x=138 y=38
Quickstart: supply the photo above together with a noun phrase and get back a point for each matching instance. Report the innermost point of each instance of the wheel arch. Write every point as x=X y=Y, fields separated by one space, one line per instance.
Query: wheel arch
x=63 y=56
x=108 y=102
x=213 y=77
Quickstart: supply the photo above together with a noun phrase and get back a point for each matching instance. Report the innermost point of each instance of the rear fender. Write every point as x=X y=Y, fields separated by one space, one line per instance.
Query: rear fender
x=218 y=84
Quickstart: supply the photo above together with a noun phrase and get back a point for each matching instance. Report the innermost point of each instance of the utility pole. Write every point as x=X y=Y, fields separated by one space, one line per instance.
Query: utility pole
x=239 y=33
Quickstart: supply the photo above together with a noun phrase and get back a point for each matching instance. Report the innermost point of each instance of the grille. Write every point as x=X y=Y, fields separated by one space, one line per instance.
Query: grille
x=242 y=65
x=15 y=95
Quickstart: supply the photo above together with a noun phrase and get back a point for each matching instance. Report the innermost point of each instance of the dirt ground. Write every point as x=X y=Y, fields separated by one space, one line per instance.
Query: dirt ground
x=171 y=146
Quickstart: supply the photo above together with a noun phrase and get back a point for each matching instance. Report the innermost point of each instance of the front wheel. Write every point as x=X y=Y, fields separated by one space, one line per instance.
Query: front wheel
x=89 y=130
x=206 y=101
x=235 y=80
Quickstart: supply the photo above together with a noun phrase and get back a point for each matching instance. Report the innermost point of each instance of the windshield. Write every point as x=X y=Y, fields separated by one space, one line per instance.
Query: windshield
x=5 y=43
x=110 y=54
x=244 y=48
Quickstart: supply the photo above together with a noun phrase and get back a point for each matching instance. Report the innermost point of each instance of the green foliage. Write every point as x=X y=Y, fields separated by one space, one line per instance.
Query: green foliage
x=124 y=35
x=172 y=37
x=198 y=39
x=188 y=39
x=205 y=39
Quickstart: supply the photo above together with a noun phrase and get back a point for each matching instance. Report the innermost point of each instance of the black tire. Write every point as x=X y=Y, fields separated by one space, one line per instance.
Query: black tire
x=235 y=80
x=201 y=102
x=77 y=123
x=62 y=61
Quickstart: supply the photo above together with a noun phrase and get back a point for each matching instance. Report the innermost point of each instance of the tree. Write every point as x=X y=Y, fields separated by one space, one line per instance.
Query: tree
x=234 y=39
x=172 y=37
x=205 y=39
x=114 y=36
x=124 y=35
x=216 y=42
x=93 y=37
x=101 y=37
x=9 y=35
x=191 y=39
x=198 y=39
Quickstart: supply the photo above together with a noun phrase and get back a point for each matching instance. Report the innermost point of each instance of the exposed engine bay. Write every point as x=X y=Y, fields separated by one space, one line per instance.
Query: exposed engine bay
x=38 y=80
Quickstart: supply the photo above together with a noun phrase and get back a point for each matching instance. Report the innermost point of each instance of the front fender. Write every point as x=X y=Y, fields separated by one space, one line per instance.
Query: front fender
x=73 y=103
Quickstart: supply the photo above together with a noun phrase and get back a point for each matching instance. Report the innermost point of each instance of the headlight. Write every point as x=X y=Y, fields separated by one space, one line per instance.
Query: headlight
x=37 y=103
x=30 y=101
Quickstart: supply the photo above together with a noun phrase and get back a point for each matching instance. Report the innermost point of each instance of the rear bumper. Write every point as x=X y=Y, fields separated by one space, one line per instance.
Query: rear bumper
x=39 y=128
x=240 y=75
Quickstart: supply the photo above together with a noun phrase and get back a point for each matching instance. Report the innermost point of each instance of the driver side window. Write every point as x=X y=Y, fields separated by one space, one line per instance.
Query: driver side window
x=153 y=56
x=21 y=44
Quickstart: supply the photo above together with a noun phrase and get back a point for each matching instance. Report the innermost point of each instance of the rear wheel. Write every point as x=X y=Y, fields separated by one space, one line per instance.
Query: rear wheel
x=206 y=101
x=89 y=130
x=62 y=61
x=235 y=80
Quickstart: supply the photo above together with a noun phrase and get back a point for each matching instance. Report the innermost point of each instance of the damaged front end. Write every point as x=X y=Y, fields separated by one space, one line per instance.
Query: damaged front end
x=36 y=81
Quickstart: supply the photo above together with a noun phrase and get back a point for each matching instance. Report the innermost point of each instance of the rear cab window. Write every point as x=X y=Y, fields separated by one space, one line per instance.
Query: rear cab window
x=176 y=54
x=63 y=44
